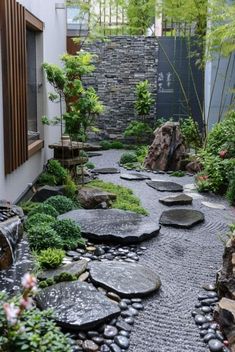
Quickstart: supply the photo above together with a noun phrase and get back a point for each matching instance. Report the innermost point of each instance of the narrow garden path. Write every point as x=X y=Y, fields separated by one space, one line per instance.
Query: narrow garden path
x=184 y=259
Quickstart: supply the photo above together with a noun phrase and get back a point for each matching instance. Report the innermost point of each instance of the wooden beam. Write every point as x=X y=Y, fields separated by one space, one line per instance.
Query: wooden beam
x=33 y=22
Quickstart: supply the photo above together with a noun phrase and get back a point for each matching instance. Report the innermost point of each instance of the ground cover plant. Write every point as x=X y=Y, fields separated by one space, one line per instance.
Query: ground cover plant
x=62 y=204
x=128 y=157
x=105 y=144
x=50 y=258
x=126 y=200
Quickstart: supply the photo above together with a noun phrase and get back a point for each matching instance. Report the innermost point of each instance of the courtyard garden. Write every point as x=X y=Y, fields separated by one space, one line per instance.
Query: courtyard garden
x=126 y=240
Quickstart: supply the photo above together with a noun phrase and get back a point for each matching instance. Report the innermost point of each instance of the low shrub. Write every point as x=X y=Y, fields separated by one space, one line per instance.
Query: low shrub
x=117 y=145
x=43 y=236
x=47 y=179
x=178 y=173
x=83 y=154
x=111 y=145
x=142 y=153
x=138 y=130
x=37 y=219
x=191 y=133
x=126 y=200
x=62 y=204
x=70 y=188
x=89 y=165
x=28 y=206
x=70 y=234
x=44 y=208
x=106 y=145
x=128 y=157
x=50 y=258
x=222 y=137
x=230 y=195
x=58 y=171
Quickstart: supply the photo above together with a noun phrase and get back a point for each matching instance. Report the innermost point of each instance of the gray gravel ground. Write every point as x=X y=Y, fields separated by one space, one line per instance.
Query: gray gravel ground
x=184 y=259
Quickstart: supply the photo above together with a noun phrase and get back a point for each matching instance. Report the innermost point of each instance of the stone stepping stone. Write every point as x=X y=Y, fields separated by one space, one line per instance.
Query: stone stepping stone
x=76 y=268
x=214 y=205
x=181 y=199
x=132 y=176
x=181 y=218
x=125 y=279
x=113 y=225
x=164 y=186
x=77 y=305
x=106 y=170
x=93 y=154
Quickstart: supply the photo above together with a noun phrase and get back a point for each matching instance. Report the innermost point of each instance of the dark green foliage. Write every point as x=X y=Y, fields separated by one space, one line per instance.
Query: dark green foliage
x=43 y=284
x=44 y=208
x=106 y=145
x=89 y=165
x=65 y=277
x=117 y=145
x=35 y=331
x=190 y=130
x=28 y=206
x=62 y=204
x=218 y=157
x=128 y=157
x=138 y=130
x=178 y=173
x=55 y=174
x=222 y=137
x=230 y=195
x=43 y=237
x=47 y=179
x=37 y=219
x=50 y=258
x=70 y=233
x=111 y=145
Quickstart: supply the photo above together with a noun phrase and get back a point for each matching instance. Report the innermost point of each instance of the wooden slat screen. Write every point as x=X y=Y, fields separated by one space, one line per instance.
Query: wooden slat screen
x=14 y=75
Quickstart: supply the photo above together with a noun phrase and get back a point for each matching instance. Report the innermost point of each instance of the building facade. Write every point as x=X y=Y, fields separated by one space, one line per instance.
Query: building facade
x=32 y=32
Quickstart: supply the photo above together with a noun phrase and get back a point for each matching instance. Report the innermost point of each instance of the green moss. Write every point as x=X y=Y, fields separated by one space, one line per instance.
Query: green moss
x=126 y=200
x=178 y=173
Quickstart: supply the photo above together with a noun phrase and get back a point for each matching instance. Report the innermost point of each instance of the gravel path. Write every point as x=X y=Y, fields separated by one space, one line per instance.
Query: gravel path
x=184 y=259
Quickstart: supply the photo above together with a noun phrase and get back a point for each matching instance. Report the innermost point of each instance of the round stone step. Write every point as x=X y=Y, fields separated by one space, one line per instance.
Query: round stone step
x=113 y=225
x=125 y=279
x=182 y=218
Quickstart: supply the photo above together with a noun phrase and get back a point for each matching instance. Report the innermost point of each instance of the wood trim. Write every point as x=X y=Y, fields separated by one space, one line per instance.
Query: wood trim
x=35 y=147
x=33 y=22
x=13 y=39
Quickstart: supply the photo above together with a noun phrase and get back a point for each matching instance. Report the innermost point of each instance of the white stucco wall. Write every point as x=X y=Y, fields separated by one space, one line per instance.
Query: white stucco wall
x=53 y=44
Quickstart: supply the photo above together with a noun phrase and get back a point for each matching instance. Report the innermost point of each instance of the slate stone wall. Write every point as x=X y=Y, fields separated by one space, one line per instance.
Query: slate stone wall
x=121 y=63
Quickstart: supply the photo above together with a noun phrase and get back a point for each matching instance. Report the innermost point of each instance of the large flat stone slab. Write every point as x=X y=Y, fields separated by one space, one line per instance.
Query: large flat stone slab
x=76 y=268
x=106 y=170
x=125 y=279
x=134 y=176
x=113 y=225
x=182 y=218
x=164 y=186
x=77 y=305
x=181 y=199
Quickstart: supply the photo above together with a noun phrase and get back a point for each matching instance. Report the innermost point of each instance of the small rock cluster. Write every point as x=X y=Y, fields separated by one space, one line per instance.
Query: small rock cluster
x=114 y=336
x=204 y=319
x=128 y=254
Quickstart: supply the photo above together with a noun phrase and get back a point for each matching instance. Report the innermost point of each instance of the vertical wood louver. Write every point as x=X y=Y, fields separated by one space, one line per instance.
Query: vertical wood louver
x=14 y=77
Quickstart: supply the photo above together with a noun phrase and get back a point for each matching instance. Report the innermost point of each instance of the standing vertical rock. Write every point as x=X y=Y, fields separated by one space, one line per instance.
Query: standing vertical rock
x=167 y=150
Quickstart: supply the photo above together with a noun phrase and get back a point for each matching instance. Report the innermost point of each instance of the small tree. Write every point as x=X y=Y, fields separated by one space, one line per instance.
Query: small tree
x=144 y=100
